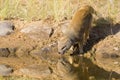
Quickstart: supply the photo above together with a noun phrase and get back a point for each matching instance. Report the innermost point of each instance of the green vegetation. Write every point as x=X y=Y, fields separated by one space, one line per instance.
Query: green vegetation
x=55 y=9
x=1 y=78
x=17 y=78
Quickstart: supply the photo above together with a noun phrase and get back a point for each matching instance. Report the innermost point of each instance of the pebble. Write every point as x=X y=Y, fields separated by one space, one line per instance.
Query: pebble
x=5 y=70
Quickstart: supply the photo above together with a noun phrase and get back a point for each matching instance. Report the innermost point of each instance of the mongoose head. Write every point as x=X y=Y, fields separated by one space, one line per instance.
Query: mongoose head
x=78 y=31
x=89 y=9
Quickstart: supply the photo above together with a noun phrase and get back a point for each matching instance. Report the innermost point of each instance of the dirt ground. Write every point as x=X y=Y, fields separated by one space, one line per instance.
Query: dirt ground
x=25 y=51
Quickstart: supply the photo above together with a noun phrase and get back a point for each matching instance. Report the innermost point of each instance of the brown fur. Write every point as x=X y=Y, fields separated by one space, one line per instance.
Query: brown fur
x=78 y=30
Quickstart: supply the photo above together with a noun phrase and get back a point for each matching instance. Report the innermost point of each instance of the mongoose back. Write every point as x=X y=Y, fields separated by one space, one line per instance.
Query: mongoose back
x=78 y=31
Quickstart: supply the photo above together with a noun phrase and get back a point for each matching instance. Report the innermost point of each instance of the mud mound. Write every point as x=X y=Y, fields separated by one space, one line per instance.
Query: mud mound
x=36 y=55
x=107 y=53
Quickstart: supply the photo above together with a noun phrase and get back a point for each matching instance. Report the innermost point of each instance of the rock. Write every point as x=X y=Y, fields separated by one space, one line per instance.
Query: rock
x=6 y=28
x=7 y=52
x=38 y=31
x=107 y=53
x=37 y=71
x=47 y=53
x=5 y=70
x=4 y=52
x=43 y=53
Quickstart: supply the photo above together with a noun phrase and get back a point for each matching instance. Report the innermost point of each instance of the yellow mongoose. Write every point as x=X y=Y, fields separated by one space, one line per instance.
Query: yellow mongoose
x=77 y=32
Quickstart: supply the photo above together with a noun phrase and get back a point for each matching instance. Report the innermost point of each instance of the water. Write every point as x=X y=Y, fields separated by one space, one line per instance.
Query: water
x=84 y=69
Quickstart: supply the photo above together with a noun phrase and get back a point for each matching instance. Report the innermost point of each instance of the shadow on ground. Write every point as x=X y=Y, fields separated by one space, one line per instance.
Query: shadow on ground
x=99 y=32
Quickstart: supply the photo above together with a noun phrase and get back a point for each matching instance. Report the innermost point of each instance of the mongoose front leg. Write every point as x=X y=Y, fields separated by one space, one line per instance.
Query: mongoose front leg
x=80 y=48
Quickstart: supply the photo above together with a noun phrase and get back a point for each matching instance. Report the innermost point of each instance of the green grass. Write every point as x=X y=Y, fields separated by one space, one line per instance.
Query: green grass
x=1 y=78
x=18 y=78
x=55 y=9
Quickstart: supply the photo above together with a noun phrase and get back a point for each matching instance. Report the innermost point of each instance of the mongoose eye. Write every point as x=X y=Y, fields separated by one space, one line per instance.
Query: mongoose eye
x=63 y=47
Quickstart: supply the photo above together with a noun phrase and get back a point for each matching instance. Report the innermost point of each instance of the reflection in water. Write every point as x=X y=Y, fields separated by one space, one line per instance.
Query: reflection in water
x=84 y=69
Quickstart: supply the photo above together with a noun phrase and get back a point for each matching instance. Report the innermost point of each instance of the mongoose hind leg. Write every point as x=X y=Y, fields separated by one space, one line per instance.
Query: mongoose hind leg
x=80 y=48
x=77 y=49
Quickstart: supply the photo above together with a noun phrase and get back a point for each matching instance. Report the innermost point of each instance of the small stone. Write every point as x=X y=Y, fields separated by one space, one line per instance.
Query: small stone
x=4 y=52
x=6 y=28
x=92 y=78
x=5 y=70
x=54 y=44
x=116 y=48
x=116 y=63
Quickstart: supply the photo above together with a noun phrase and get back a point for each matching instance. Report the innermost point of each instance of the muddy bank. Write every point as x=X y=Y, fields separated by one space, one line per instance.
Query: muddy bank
x=31 y=55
